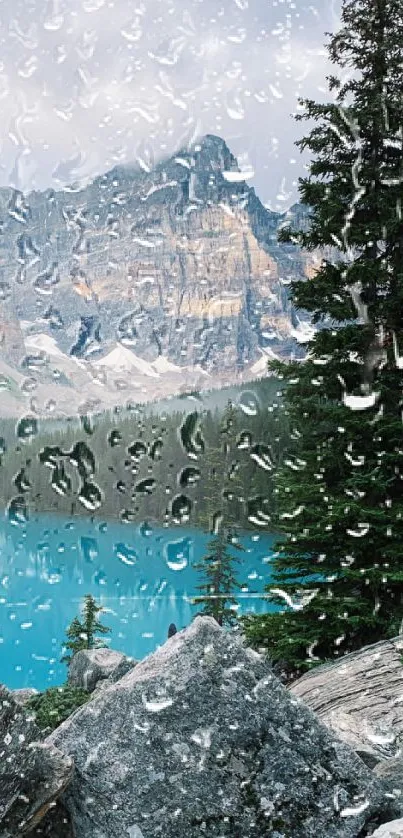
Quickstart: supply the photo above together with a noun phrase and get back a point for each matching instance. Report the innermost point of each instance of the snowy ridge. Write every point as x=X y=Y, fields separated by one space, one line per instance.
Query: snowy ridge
x=43 y=343
x=122 y=360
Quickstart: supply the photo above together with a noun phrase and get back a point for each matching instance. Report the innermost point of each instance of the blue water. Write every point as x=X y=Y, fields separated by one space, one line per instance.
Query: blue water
x=142 y=576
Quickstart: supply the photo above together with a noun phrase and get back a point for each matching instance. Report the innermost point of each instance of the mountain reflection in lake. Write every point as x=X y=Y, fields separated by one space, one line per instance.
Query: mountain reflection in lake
x=142 y=576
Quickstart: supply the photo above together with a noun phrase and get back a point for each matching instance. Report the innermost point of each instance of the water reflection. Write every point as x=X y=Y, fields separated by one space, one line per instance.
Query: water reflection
x=143 y=576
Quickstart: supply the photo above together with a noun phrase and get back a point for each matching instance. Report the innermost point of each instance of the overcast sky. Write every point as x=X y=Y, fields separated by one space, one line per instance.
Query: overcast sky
x=86 y=84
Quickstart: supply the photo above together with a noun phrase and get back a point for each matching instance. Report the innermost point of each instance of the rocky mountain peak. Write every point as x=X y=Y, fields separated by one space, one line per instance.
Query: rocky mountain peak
x=178 y=260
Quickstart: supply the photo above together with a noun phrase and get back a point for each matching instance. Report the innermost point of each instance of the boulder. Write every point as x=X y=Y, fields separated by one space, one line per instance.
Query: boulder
x=55 y=824
x=390 y=773
x=90 y=666
x=32 y=773
x=393 y=829
x=23 y=695
x=201 y=739
x=360 y=697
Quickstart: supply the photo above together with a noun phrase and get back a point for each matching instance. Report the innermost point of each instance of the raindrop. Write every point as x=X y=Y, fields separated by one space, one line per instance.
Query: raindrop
x=21 y=481
x=82 y=457
x=34 y=362
x=27 y=427
x=125 y=554
x=87 y=424
x=29 y=385
x=244 y=440
x=256 y=510
x=48 y=455
x=156 y=705
x=145 y=487
x=188 y=476
x=114 y=438
x=262 y=455
x=17 y=511
x=5 y=290
x=177 y=553
x=89 y=548
x=191 y=437
x=181 y=508
x=90 y=496
x=60 y=482
x=155 y=449
x=127 y=516
x=145 y=529
x=137 y=450
x=248 y=403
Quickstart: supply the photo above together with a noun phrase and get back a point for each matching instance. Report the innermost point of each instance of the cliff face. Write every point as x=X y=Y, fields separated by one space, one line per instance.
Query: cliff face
x=180 y=260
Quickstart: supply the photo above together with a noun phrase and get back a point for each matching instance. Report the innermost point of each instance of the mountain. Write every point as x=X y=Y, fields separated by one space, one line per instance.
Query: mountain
x=144 y=282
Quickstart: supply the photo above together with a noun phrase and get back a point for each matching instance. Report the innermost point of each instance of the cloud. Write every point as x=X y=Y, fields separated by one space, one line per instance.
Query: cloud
x=85 y=84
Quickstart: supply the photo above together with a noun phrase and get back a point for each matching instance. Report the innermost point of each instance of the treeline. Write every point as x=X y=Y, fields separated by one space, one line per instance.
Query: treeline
x=337 y=578
x=183 y=467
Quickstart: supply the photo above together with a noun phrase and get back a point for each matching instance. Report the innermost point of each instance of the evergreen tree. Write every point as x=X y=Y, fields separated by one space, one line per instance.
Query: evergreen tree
x=81 y=634
x=217 y=589
x=338 y=576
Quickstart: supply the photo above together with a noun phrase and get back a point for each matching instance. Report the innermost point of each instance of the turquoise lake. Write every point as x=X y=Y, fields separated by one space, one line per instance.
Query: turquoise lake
x=142 y=576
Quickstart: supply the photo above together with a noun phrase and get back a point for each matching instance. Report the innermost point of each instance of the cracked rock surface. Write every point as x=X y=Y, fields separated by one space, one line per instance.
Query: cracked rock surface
x=360 y=697
x=32 y=773
x=201 y=739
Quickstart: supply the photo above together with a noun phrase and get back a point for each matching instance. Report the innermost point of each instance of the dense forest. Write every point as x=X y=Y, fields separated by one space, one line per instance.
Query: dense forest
x=193 y=467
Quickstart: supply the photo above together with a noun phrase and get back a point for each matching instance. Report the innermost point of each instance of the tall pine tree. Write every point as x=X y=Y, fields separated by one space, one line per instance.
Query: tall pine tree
x=82 y=634
x=222 y=487
x=338 y=575
x=219 y=583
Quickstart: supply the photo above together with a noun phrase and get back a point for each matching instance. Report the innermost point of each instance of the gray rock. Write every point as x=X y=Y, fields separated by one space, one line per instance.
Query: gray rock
x=360 y=698
x=393 y=829
x=23 y=695
x=200 y=739
x=32 y=773
x=390 y=773
x=90 y=666
x=55 y=824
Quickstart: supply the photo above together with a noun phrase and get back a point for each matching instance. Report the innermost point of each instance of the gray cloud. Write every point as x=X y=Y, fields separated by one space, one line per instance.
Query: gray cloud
x=85 y=84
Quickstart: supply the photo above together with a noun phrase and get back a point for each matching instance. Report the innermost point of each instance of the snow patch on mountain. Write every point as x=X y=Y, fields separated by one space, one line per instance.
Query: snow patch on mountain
x=304 y=332
x=43 y=343
x=260 y=366
x=123 y=360
x=162 y=365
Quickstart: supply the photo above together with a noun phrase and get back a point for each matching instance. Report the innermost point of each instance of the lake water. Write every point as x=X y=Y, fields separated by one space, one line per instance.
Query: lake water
x=143 y=577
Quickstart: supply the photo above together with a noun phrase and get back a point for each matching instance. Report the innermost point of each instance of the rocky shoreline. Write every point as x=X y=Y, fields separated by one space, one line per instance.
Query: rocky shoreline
x=201 y=739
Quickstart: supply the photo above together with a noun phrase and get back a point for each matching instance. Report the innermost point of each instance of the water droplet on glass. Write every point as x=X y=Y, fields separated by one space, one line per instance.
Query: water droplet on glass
x=125 y=554
x=191 y=437
x=181 y=508
x=82 y=457
x=145 y=487
x=137 y=450
x=248 y=403
x=156 y=705
x=90 y=496
x=27 y=427
x=114 y=438
x=177 y=553
x=156 y=449
x=188 y=476
x=89 y=548
x=244 y=440
x=17 y=511
x=60 y=482
x=262 y=455
x=145 y=529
